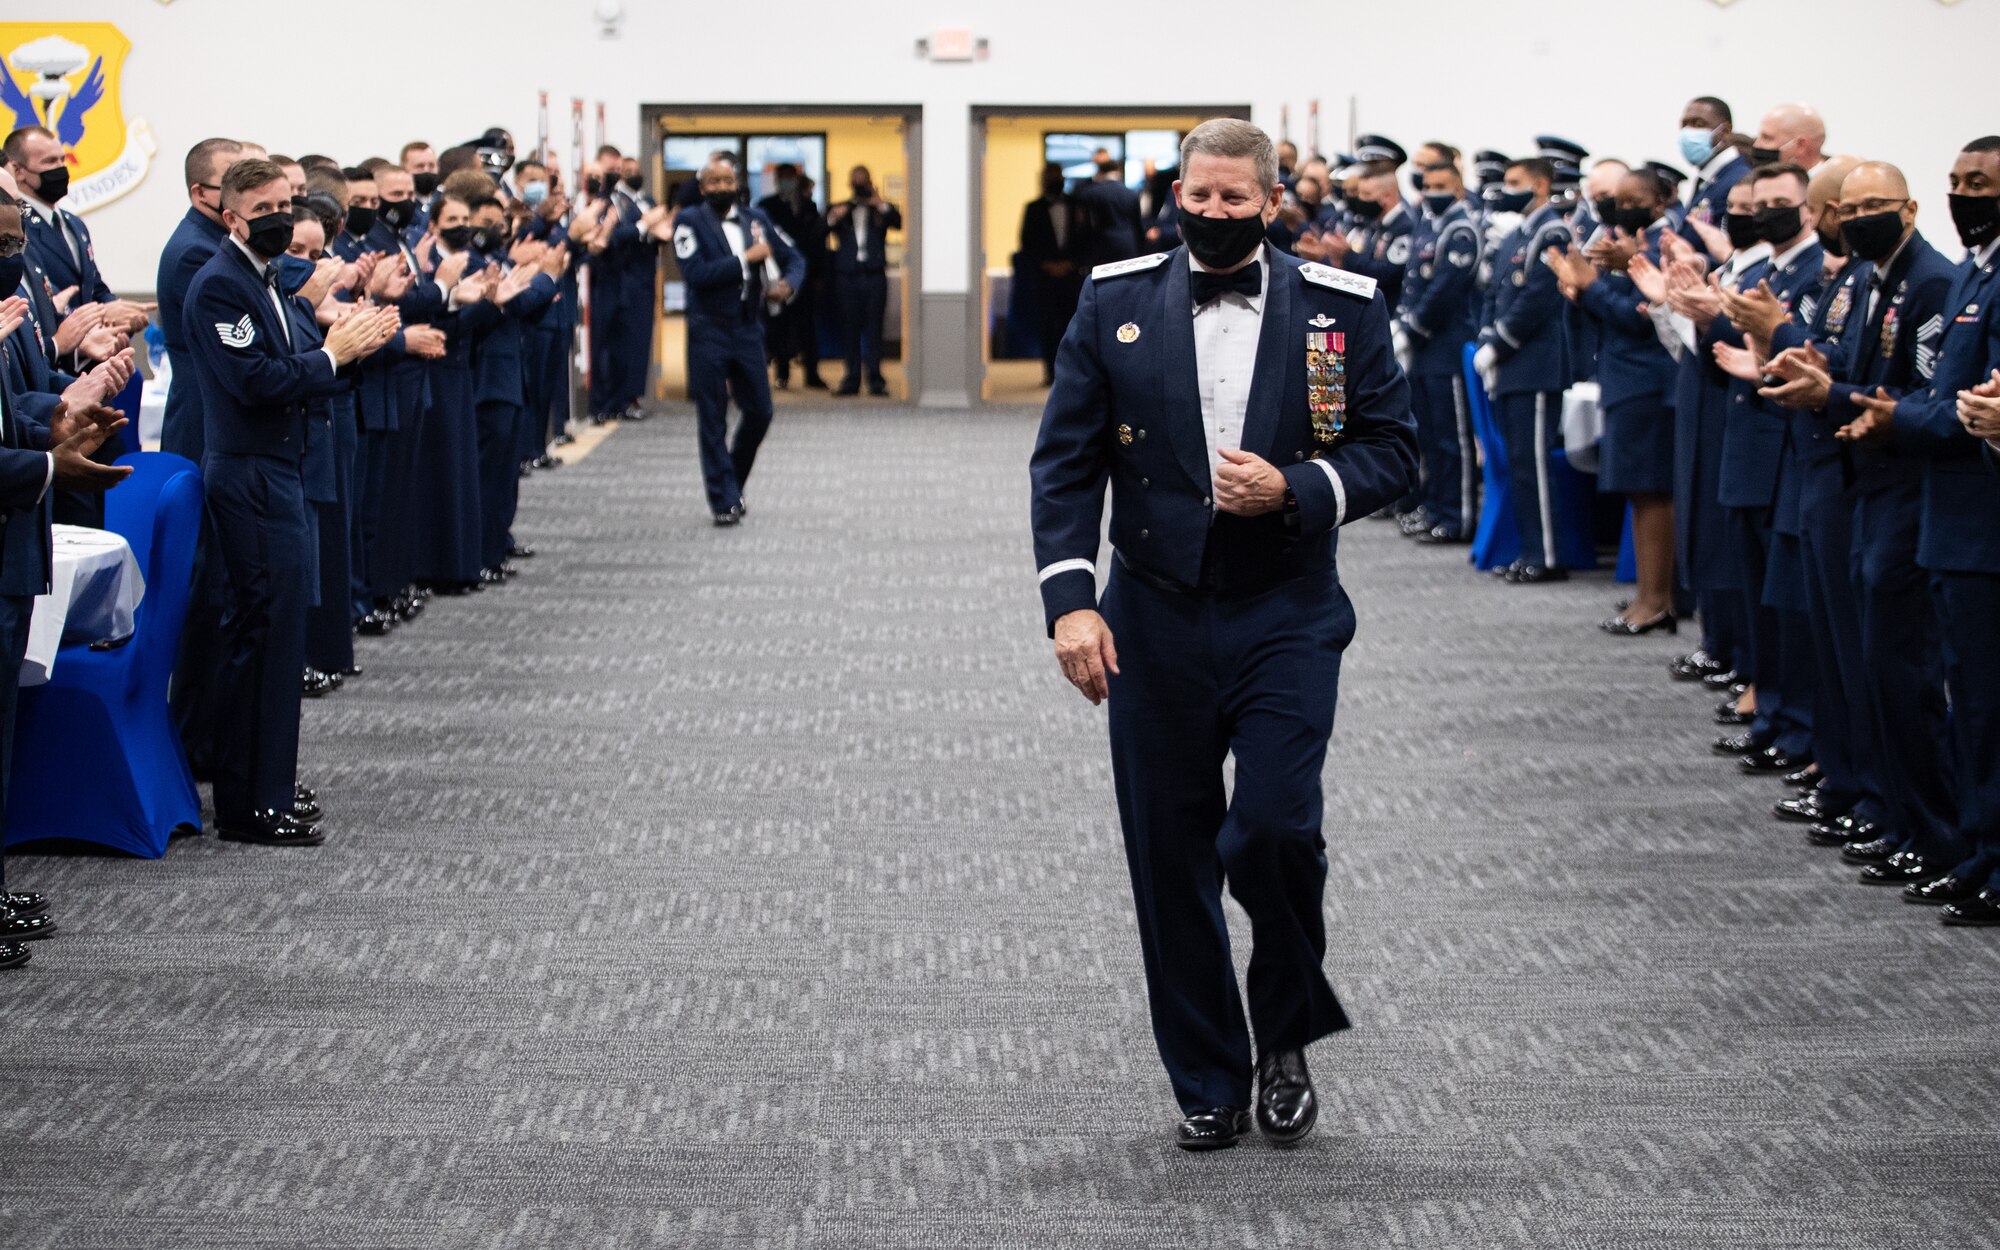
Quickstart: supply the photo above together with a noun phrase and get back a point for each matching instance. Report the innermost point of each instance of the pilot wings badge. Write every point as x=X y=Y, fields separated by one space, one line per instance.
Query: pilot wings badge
x=1322 y=321
x=242 y=334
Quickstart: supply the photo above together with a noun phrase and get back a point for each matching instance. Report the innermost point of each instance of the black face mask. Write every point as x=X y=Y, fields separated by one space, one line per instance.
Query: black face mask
x=426 y=183
x=1631 y=220
x=1365 y=210
x=488 y=238
x=360 y=221
x=1874 y=236
x=1763 y=156
x=1221 y=242
x=864 y=190
x=719 y=202
x=1777 y=225
x=593 y=185
x=456 y=237
x=54 y=184
x=271 y=234
x=1742 y=230
x=1417 y=180
x=1977 y=218
x=399 y=213
x=634 y=181
x=1511 y=201
x=12 y=270
x=1606 y=208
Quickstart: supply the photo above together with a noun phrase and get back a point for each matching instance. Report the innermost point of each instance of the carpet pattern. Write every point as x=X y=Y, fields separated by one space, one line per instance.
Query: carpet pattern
x=763 y=888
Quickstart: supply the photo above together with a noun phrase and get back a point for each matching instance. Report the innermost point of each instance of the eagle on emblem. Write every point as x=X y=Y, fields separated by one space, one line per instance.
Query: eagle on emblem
x=49 y=102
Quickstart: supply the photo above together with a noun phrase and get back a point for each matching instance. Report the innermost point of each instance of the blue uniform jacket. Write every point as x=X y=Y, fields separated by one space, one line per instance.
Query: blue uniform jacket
x=1896 y=350
x=719 y=293
x=254 y=386
x=51 y=252
x=25 y=553
x=1440 y=303
x=1632 y=363
x=1961 y=517
x=193 y=243
x=1523 y=316
x=1823 y=460
x=1125 y=409
x=1711 y=204
x=1381 y=249
x=1753 y=436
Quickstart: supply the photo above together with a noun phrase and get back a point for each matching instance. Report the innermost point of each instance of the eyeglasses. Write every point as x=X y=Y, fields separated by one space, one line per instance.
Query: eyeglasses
x=13 y=246
x=1867 y=208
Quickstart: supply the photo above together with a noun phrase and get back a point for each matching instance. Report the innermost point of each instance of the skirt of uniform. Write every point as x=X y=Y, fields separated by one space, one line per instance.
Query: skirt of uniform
x=447 y=480
x=1636 y=454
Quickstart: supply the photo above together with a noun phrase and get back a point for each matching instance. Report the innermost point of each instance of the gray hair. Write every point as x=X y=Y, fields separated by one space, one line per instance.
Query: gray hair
x=1229 y=137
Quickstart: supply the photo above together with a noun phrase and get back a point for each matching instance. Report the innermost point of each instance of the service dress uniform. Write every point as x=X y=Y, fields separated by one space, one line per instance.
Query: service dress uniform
x=1229 y=629
x=1524 y=327
x=1438 y=315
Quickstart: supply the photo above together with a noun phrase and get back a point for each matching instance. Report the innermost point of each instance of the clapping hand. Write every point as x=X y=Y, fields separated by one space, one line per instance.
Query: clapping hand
x=526 y=251
x=361 y=333
x=1649 y=278
x=1574 y=270
x=1807 y=381
x=75 y=431
x=1979 y=409
x=77 y=326
x=1756 y=313
x=325 y=274
x=87 y=395
x=424 y=342
x=1877 y=412
x=452 y=269
x=1715 y=240
x=555 y=260
x=13 y=311
x=1739 y=362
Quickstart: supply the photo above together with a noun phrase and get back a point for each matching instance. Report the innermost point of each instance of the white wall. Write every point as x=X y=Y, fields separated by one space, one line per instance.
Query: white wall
x=358 y=77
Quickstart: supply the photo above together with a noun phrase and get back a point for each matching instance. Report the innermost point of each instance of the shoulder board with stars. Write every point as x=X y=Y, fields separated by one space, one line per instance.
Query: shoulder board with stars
x=1358 y=285
x=1138 y=264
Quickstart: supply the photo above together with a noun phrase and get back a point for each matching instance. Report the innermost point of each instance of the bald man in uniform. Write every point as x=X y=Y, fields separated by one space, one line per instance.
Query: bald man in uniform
x=1790 y=132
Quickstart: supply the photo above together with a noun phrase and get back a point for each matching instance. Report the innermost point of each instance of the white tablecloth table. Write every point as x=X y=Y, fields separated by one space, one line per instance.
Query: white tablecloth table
x=94 y=590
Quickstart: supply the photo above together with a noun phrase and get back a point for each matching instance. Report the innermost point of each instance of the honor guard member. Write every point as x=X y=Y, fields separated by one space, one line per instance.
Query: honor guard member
x=1241 y=406
x=859 y=231
x=732 y=259
x=1959 y=540
x=1379 y=244
x=1672 y=178
x=1524 y=359
x=254 y=389
x=1707 y=145
x=1438 y=317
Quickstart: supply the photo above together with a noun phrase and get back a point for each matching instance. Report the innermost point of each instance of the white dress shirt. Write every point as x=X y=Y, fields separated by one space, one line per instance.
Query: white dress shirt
x=1225 y=359
x=278 y=301
x=1059 y=223
x=54 y=221
x=861 y=212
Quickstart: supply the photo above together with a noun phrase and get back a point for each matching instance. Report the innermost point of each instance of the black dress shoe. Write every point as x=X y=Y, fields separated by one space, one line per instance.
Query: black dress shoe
x=546 y=461
x=1413 y=523
x=1841 y=830
x=1806 y=809
x=565 y=438
x=814 y=382
x=1873 y=851
x=1443 y=536
x=879 y=390
x=1538 y=574
x=315 y=683
x=13 y=955
x=1806 y=777
x=1724 y=680
x=1216 y=1129
x=269 y=828
x=1982 y=912
x=303 y=793
x=734 y=516
x=1770 y=760
x=1694 y=666
x=520 y=551
x=307 y=811
x=1735 y=744
x=1902 y=868
x=1665 y=622
x=1726 y=714
x=1286 y=1107
x=25 y=903
x=843 y=391
x=1945 y=889
x=375 y=624
x=18 y=928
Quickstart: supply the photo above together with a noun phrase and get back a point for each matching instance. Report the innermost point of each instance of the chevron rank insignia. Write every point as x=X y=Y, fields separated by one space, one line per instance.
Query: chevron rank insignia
x=1138 y=264
x=242 y=334
x=1338 y=280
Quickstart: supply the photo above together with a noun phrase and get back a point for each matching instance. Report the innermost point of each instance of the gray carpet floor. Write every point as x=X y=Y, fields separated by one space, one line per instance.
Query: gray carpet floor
x=764 y=889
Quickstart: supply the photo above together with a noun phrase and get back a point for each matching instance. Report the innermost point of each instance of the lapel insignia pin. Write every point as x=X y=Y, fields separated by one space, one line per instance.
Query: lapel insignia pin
x=1128 y=333
x=1322 y=321
x=1124 y=436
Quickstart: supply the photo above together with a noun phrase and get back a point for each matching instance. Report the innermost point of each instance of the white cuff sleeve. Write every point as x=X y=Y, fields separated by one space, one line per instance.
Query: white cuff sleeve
x=48 y=478
x=1078 y=566
x=1339 y=492
x=331 y=358
x=1500 y=327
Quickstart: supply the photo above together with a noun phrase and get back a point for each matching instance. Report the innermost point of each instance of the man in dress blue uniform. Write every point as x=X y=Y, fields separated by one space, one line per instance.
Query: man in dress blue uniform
x=859 y=230
x=58 y=240
x=193 y=242
x=1524 y=359
x=1707 y=143
x=1242 y=406
x=1959 y=540
x=725 y=249
x=1437 y=318
x=254 y=389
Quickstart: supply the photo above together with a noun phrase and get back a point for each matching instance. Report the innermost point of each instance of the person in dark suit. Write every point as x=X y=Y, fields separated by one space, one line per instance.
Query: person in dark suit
x=858 y=231
x=37 y=453
x=733 y=260
x=255 y=385
x=1115 y=230
x=1055 y=239
x=1223 y=624
x=793 y=329
x=193 y=242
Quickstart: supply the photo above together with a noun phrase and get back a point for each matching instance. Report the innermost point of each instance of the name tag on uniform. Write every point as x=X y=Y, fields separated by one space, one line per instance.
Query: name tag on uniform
x=1326 y=383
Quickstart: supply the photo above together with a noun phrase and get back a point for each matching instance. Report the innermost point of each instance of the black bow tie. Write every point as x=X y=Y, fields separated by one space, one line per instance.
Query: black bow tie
x=271 y=275
x=1249 y=281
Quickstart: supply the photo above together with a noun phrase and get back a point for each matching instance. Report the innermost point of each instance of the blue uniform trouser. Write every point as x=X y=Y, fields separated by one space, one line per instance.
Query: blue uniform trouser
x=607 y=316
x=1721 y=623
x=1900 y=642
x=549 y=383
x=259 y=510
x=1968 y=604
x=1846 y=746
x=726 y=361
x=635 y=345
x=1759 y=649
x=16 y=613
x=863 y=301
x=1202 y=678
x=1531 y=425
x=1450 y=491
x=499 y=436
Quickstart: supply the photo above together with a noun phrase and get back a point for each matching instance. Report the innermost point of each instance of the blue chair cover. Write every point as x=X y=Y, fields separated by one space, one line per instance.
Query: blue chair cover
x=96 y=756
x=1497 y=541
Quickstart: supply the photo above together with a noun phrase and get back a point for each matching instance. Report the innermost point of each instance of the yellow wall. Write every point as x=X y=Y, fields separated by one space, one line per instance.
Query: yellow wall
x=1013 y=172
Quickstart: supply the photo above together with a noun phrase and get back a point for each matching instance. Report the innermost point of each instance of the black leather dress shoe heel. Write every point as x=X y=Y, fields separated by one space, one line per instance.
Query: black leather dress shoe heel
x=307 y=812
x=1218 y=1128
x=13 y=955
x=1806 y=809
x=1873 y=851
x=269 y=828
x=1945 y=889
x=1902 y=868
x=1286 y=1107
x=1665 y=622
